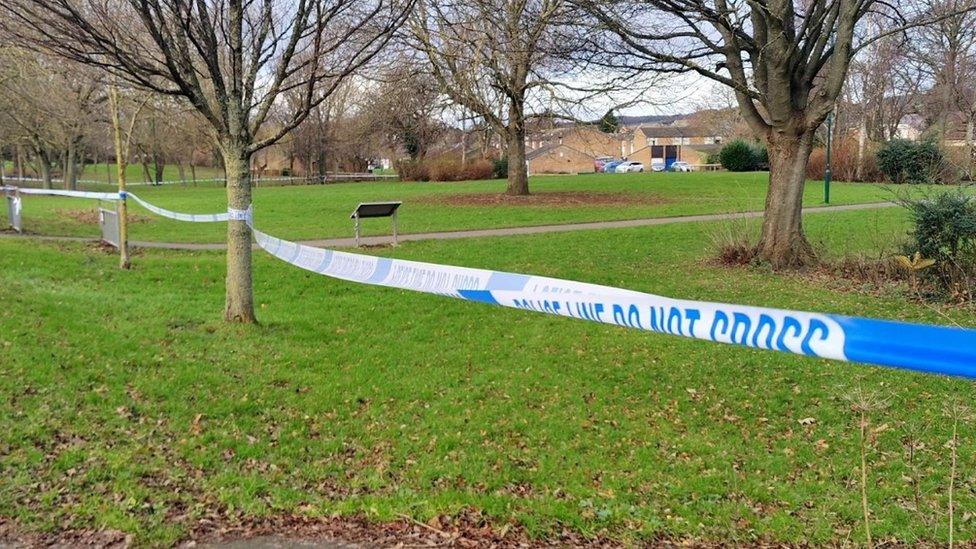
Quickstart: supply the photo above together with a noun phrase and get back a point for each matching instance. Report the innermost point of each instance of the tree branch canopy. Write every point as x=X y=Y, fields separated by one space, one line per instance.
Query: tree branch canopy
x=231 y=59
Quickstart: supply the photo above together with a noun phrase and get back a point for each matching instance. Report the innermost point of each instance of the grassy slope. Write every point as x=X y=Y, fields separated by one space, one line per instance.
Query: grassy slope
x=360 y=399
x=323 y=211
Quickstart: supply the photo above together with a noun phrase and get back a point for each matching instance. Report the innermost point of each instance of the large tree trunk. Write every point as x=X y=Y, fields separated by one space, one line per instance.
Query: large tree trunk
x=518 y=178
x=239 y=305
x=782 y=242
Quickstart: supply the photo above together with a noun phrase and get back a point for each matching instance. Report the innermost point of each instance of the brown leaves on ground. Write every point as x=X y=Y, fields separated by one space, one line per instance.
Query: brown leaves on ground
x=556 y=199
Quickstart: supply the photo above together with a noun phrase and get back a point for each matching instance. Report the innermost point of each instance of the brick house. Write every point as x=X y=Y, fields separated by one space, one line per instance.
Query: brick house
x=569 y=149
x=669 y=144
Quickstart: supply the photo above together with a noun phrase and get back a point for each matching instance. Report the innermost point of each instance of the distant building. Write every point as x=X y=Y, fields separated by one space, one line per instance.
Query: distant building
x=568 y=149
x=669 y=144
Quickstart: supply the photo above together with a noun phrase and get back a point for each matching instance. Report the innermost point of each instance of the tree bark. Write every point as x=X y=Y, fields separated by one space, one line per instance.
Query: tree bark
x=518 y=177
x=70 y=166
x=782 y=242
x=971 y=148
x=240 y=301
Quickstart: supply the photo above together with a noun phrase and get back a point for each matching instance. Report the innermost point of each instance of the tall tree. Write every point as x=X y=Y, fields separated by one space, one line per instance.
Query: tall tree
x=787 y=61
x=490 y=56
x=231 y=59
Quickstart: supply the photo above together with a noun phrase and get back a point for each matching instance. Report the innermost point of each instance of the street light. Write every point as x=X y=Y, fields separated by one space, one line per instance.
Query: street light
x=827 y=173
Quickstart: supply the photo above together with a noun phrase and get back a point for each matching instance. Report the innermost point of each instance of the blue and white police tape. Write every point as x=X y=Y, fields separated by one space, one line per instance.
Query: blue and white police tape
x=62 y=192
x=927 y=348
x=196 y=218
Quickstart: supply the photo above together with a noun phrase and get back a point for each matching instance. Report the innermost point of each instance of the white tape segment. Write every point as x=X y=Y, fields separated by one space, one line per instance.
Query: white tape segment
x=195 y=218
x=928 y=348
x=61 y=192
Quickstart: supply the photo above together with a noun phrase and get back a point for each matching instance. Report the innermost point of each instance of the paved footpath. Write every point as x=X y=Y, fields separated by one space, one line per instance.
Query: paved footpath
x=505 y=231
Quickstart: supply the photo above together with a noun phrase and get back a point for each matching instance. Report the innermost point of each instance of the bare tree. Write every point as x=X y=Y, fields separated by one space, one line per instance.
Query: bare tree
x=490 y=56
x=230 y=59
x=52 y=104
x=405 y=108
x=947 y=50
x=123 y=123
x=786 y=60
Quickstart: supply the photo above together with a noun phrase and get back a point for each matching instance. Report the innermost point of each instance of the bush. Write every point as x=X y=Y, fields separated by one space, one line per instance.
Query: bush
x=479 y=169
x=843 y=162
x=944 y=230
x=741 y=156
x=905 y=161
x=444 y=169
x=412 y=170
x=500 y=168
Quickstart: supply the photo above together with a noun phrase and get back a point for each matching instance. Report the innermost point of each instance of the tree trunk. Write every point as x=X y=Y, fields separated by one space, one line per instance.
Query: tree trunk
x=971 y=148
x=239 y=305
x=518 y=179
x=70 y=173
x=20 y=162
x=158 y=170
x=862 y=138
x=782 y=242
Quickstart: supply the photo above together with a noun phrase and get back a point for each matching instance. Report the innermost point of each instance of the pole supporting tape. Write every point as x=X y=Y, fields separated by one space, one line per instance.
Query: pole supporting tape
x=925 y=348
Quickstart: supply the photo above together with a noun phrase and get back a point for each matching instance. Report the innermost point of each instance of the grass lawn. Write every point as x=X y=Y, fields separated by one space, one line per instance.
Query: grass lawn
x=106 y=173
x=308 y=212
x=126 y=403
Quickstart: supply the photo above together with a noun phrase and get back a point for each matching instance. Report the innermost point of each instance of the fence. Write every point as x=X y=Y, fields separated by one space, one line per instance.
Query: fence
x=926 y=348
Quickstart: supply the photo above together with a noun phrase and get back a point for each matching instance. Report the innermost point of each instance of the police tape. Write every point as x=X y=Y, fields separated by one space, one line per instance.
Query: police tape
x=920 y=347
x=195 y=218
x=927 y=348
x=63 y=192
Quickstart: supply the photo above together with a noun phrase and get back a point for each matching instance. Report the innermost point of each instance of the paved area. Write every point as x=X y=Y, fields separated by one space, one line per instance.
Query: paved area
x=505 y=231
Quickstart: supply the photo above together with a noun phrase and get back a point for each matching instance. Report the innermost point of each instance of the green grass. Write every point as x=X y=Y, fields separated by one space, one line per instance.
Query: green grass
x=107 y=173
x=308 y=212
x=126 y=403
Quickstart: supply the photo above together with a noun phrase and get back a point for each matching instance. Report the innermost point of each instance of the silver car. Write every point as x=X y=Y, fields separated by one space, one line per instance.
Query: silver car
x=630 y=166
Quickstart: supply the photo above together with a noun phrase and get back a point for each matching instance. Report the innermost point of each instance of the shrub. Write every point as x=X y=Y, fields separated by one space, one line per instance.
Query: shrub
x=412 y=170
x=843 y=162
x=944 y=230
x=500 y=168
x=905 y=161
x=443 y=169
x=446 y=169
x=740 y=156
x=479 y=169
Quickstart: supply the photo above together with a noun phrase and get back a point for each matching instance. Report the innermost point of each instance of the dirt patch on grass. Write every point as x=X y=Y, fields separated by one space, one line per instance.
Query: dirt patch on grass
x=90 y=216
x=558 y=199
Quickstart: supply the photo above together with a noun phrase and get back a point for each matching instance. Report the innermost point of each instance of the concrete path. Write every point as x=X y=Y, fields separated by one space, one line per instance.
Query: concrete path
x=505 y=231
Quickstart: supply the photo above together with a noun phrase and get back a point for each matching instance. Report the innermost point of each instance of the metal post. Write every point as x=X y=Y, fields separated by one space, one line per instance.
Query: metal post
x=357 y=229
x=394 y=227
x=827 y=173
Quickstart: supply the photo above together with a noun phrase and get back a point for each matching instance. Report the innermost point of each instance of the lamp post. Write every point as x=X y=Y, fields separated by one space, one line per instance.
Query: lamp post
x=827 y=173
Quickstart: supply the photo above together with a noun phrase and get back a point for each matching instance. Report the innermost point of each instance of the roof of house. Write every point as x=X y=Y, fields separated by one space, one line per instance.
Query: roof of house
x=675 y=131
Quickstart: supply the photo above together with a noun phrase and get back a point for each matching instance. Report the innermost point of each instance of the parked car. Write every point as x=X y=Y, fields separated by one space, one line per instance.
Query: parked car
x=601 y=163
x=611 y=167
x=630 y=166
x=681 y=167
x=657 y=165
